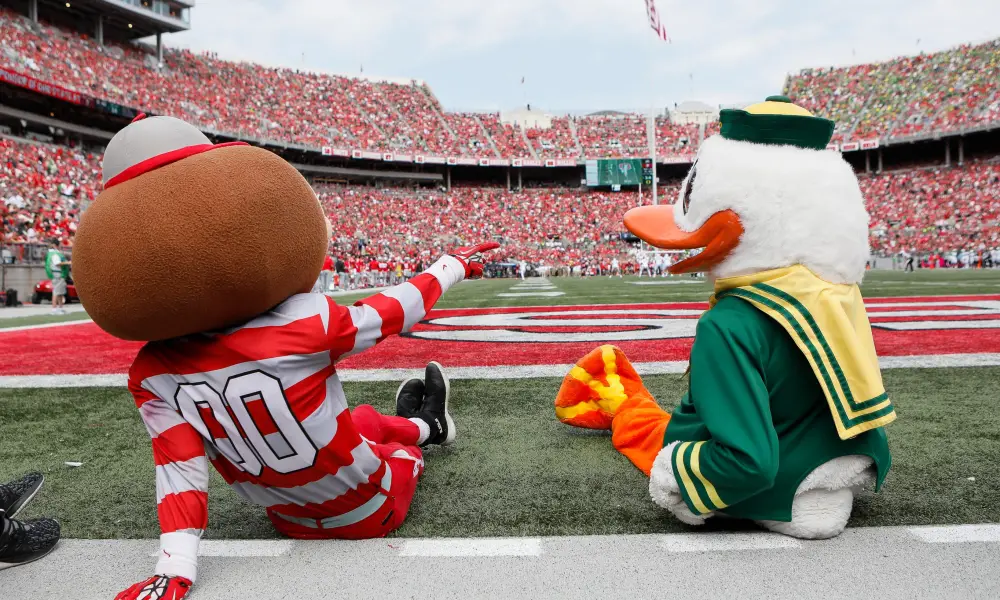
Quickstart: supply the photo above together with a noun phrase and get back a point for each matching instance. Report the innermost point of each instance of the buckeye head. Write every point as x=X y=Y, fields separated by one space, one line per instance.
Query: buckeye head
x=188 y=236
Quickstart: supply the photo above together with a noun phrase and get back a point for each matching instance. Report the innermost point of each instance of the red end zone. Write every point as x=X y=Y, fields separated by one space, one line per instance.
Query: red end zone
x=927 y=325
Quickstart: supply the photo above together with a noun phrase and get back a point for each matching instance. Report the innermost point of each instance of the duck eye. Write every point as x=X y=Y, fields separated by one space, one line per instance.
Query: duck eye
x=686 y=199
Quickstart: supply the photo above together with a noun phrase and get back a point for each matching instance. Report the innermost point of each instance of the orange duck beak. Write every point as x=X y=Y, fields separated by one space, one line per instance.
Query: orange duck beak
x=656 y=226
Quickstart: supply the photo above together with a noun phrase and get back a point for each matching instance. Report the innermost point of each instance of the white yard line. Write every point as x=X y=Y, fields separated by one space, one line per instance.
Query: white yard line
x=472 y=547
x=537 y=546
x=35 y=310
x=955 y=534
x=711 y=565
x=501 y=371
x=529 y=294
x=44 y=325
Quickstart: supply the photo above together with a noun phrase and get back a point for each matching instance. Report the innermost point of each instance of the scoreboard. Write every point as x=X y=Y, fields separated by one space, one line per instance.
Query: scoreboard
x=617 y=172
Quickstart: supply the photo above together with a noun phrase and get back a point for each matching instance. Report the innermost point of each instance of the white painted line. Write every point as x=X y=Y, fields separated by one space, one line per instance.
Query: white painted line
x=955 y=534
x=928 y=361
x=527 y=294
x=62 y=381
x=678 y=282
x=44 y=325
x=36 y=310
x=243 y=548
x=373 y=290
x=473 y=547
x=499 y=371
x=724 y=542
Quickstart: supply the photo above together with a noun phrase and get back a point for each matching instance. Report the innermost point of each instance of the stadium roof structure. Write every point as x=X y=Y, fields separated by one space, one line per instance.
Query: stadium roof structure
x=117 y=19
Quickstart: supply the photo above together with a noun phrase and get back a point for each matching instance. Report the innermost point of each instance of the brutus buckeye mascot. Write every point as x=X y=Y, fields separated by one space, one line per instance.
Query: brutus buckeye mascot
x=206 y=252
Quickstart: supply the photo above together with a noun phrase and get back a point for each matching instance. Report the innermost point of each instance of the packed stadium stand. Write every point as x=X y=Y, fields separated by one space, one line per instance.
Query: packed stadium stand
x=924 y=207
x=921 y=210
x=613 y=135
x=934 y=209
x=557 y=141
x=287 y=105
x=943 y=91
x=42 y=188
x=939 y=92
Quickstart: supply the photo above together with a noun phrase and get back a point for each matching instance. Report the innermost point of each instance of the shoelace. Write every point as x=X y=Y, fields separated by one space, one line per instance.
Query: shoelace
x=11 y=535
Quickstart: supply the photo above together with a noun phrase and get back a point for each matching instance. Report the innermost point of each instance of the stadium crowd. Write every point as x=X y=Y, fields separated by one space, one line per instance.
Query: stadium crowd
x=42 y=191
x=934 y=210
x=556 y=227
x=924 y=212
x=313 y=109
x=942 y=91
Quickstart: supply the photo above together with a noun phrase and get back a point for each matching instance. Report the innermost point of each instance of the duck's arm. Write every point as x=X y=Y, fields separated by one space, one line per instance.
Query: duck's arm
x=729 y=399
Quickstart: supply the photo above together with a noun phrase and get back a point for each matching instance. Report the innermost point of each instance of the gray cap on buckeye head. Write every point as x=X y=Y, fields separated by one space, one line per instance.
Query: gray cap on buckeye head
x=144 y=139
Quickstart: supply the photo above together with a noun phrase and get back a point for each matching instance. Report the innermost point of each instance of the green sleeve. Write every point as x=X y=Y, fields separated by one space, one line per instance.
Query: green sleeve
x=740 y=458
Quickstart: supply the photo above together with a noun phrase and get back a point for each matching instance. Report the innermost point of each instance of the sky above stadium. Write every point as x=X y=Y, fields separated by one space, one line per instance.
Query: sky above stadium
x=582 y=55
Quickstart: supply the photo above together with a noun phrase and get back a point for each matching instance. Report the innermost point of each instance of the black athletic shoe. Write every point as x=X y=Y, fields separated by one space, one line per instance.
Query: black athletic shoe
x=435 y=408
x=410 y=398
x=16 y=494
x=24 y=542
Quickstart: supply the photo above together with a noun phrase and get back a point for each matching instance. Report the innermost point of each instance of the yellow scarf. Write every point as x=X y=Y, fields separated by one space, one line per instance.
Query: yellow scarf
x=829 y=324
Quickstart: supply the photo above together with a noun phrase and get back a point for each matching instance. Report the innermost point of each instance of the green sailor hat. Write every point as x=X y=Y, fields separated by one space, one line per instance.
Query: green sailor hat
x=776 y=121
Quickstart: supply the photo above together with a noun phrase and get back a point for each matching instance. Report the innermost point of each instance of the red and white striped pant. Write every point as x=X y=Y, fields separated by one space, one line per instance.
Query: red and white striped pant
x=394 y=440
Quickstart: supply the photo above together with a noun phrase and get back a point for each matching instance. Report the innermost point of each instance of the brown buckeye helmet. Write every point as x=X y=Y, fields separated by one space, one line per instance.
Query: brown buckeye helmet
x=188 y=236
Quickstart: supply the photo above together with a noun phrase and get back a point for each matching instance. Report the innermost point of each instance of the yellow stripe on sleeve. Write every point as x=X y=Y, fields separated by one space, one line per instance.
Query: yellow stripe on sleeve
x=686 y=480
x=713 y=495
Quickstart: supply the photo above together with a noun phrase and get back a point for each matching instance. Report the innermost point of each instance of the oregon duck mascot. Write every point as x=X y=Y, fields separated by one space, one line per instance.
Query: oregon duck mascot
x=783 y=420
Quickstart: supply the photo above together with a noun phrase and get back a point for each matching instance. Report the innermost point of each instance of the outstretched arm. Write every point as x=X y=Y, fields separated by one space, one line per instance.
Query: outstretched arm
x=182 y=498
x=356 y=328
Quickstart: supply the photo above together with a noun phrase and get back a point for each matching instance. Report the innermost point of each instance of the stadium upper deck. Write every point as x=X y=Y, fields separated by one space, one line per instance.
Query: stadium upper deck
x=940 y=92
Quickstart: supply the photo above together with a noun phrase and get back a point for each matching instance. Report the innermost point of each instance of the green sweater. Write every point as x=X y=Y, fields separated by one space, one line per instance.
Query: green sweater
x=763 y=417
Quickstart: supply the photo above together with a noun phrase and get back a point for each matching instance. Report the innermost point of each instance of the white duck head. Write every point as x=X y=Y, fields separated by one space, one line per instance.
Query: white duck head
x=765 y=194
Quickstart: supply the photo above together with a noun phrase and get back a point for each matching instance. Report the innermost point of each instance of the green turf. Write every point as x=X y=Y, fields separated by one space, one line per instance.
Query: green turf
x=514 y=470
x=42 y=319
x=604 y=290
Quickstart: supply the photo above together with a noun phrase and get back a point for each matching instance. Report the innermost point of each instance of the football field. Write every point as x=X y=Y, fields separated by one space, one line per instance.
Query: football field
x=514 y=470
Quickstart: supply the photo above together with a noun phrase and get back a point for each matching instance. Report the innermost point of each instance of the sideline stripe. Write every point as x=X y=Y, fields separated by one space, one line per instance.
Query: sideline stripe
x=725 y=542
x=242 y=548
x=952 y=534
x=561 y=545
x=43 y=325
x=927 y=361
x=473 y=547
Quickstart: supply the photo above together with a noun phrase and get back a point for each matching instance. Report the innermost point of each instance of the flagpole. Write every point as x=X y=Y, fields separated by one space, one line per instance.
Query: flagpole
x=651 y=136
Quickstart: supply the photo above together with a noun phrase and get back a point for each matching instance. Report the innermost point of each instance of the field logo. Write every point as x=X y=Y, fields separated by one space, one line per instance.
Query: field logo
x=589 y=325
x=600 y=324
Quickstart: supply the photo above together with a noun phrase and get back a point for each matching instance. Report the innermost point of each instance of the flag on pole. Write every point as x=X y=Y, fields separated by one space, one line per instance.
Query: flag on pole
x=654 y=21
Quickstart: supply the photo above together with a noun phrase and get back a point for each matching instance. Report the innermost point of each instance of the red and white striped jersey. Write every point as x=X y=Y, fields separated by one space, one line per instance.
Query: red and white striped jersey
x=262 y=402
